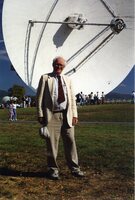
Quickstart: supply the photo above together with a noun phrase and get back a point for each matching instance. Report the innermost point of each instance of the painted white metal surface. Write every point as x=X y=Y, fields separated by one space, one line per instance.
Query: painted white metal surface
x=31 y=49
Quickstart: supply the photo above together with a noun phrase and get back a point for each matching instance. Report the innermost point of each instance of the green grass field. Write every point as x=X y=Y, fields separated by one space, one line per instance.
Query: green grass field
x=105 y=142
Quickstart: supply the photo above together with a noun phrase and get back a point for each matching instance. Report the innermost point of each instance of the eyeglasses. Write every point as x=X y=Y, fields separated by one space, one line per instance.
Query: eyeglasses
x=59 y=65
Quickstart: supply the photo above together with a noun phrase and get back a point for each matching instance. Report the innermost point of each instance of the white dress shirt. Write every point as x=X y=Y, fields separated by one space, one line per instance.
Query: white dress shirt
x=63 y=105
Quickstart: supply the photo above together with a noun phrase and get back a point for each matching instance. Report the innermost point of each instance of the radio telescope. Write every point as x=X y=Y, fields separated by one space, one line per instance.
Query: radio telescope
x=94 y=36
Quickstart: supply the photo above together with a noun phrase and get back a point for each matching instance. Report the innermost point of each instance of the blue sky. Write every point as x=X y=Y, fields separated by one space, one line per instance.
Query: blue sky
x=8 y=77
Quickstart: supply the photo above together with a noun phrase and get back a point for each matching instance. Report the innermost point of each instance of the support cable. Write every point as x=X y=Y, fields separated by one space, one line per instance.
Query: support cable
x=77 y=23
x=26 y=52
x=39 y=40
x=87 y=44
x=108 y=8
x=93 y=52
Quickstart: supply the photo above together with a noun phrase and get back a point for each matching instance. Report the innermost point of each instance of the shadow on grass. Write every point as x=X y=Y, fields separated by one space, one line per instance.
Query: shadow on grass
x=10 y=172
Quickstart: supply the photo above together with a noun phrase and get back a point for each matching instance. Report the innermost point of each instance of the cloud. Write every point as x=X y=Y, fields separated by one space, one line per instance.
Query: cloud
x=1 y=41
x=4 y=58
x=3 y=52
x=3 y=55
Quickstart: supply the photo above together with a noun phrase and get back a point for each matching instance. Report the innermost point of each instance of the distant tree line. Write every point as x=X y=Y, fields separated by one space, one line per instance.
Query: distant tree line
x=17 y=91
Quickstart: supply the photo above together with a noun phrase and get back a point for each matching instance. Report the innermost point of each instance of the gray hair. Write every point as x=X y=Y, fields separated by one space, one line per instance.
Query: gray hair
x=56 y=58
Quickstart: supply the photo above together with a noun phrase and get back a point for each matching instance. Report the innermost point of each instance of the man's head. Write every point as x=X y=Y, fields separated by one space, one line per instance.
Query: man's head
x=58 y=65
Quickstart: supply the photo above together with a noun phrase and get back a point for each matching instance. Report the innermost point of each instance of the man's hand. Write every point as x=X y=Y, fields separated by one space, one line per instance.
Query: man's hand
x=41 y=120
x=74 y=121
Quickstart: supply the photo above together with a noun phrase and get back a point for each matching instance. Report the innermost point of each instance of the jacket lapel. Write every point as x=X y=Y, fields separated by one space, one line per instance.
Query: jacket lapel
x=67 y=85
x=50 y=84
x=66 y=81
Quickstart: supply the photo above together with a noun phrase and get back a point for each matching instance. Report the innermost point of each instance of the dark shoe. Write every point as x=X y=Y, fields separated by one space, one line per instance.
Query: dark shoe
x=53 y=175
x=79 y=174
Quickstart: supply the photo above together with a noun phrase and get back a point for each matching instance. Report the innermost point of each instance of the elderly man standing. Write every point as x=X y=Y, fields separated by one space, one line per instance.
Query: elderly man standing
x=57 y=112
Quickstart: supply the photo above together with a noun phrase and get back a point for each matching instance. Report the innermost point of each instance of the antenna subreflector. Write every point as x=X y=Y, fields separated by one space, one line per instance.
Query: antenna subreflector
x=117 y=25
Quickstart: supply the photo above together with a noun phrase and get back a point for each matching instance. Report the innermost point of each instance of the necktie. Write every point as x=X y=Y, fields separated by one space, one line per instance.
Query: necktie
x=61 y=97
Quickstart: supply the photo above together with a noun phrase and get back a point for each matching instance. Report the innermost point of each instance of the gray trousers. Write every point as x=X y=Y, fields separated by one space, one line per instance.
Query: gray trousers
x=58 y=127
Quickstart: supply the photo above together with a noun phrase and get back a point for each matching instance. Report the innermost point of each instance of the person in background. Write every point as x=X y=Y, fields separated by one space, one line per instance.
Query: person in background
x=11 y=113
x=102 y=98
x=24 y=101
x=91 y=98
x=29 y=101
x=14 y=111
x=57 y=112
x=133 y=96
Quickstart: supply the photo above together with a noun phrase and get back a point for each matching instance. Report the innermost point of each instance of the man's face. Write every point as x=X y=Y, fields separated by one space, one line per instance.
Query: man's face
x=58 y=66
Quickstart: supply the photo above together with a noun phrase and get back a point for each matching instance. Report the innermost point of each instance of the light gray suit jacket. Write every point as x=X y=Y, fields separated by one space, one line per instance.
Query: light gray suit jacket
x=45 y=98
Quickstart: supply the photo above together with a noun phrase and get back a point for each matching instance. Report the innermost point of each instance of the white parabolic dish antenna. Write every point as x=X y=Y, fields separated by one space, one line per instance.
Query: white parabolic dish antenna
x=96 y=37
